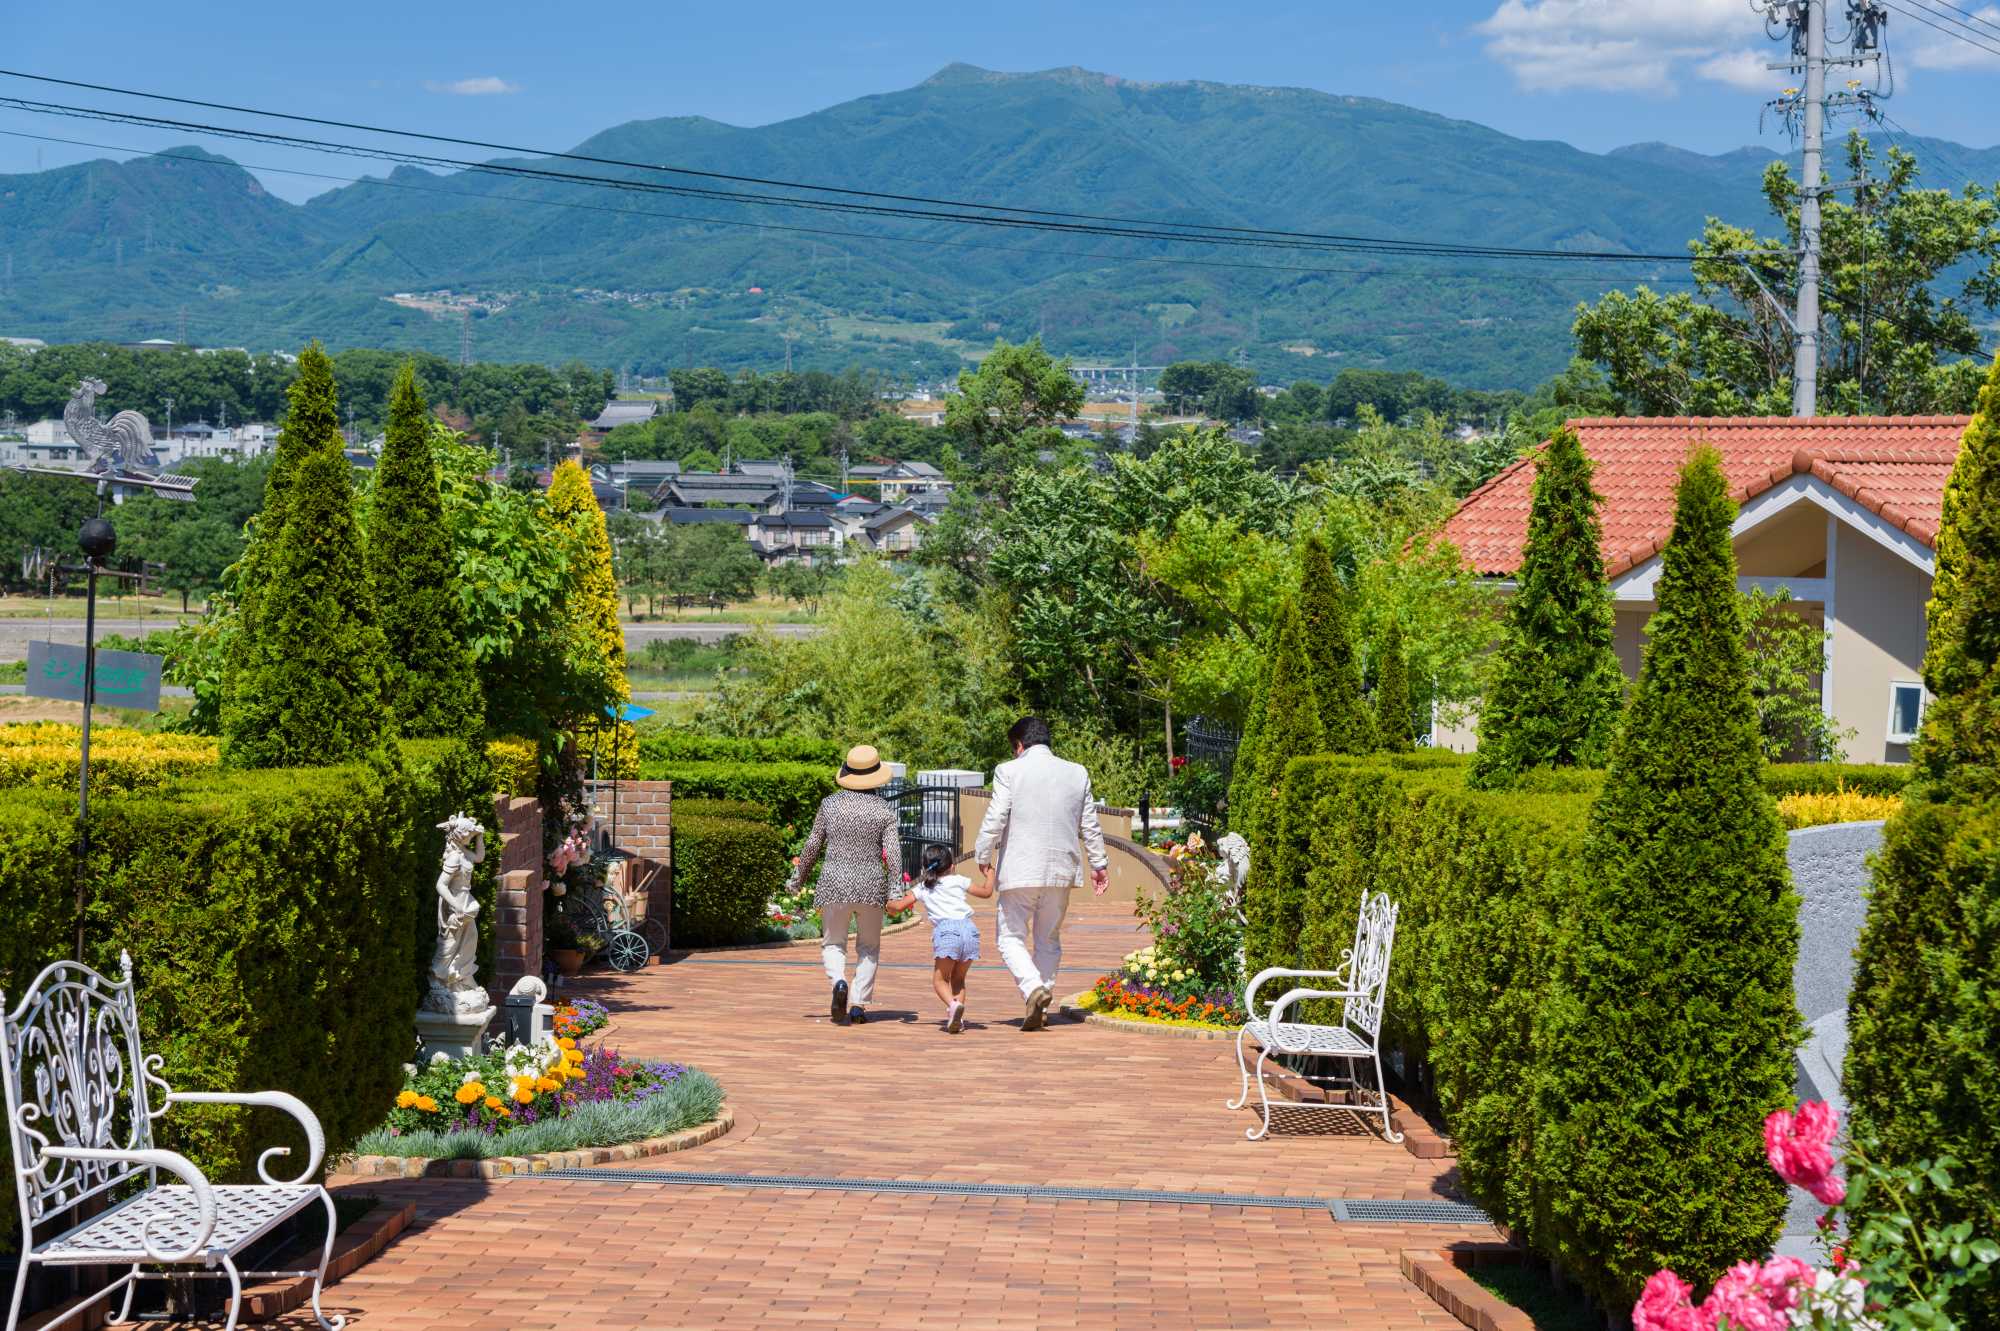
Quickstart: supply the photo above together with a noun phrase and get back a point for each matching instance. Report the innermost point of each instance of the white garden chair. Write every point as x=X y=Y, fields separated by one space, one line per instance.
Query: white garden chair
x=1361 y=983
x=79 y=1101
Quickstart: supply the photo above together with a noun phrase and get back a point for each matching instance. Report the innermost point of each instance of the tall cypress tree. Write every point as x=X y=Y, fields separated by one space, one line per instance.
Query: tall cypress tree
x=1923 y=1059
x=432 y=680
x=1671 y=1025
x=1291 y=721
x=310 y=691
x=594 y=614
x=1243 y=772
x=1392 y=692
x=1557 y=688
x=1327 y=633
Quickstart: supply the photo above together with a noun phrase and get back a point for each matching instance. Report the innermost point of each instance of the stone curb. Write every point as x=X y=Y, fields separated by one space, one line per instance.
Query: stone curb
x=354 y=1247
x=1443 y=1280
x=1072 y=1007
x=589 y=1157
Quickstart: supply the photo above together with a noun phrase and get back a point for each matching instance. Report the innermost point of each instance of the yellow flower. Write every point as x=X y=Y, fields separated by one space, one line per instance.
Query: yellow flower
x=406 y=1100
x=566 y=1043
x=524 y=1096
x=469 y=1092
x=548 y=1084
x=428 y=1105
x=493 y=1102
x=506 y=1112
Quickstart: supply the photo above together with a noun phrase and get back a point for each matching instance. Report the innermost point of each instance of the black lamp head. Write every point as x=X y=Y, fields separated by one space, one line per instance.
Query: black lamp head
x=98 y=538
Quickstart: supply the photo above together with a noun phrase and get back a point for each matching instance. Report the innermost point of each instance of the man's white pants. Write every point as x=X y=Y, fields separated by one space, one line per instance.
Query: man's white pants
x=1031 y=934
x=867 y=944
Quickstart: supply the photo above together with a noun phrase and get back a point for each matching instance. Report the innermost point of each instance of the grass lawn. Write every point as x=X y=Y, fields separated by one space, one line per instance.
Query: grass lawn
x=762 y=610
x=108 y=606
x=1529 y=1288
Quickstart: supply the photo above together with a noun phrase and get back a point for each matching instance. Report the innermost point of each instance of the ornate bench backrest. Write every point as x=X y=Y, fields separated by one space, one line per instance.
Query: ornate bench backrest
x=74 y=1075
x=1368 y=963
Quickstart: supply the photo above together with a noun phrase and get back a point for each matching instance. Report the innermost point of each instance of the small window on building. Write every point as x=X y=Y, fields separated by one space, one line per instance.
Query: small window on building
x=1906 y=710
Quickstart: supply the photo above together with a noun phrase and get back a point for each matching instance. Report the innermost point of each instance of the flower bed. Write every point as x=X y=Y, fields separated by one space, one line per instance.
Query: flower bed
x=1190 y=975
x=1116 y=996
x=529 y=1099
x=578 y=1017
x=792 y=917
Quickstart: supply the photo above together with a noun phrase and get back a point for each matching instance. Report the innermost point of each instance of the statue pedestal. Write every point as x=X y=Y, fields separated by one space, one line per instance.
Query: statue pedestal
x=453 y=1034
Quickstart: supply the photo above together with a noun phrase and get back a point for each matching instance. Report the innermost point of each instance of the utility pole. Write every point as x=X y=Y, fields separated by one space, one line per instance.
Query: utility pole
x=169 y=404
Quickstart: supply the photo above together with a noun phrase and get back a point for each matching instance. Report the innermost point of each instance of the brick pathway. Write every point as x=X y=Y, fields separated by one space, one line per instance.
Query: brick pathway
x=1076 y=1105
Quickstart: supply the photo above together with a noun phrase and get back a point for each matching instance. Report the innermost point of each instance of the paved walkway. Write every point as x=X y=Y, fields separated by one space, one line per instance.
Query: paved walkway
x=1074 y=1106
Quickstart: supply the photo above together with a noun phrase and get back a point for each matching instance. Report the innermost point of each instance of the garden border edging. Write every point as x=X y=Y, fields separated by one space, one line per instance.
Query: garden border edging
x=503 y=1166
x=1072 y=1008
x=1443 y=1280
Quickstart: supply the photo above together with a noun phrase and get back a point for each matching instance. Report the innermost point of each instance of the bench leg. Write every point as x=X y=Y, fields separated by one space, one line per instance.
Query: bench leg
x=235 y=1293
x=325 y=1256
x=1243 y=1095
x=1382 y=1094
x=20 y=1282
x=1264 y=1094
x=131 y=1288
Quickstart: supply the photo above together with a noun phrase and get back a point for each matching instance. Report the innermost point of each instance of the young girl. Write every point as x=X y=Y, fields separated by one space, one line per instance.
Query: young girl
x=954 y=936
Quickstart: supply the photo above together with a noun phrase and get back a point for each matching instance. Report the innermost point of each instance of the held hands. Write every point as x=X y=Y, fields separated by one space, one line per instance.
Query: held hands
x=1100 y=879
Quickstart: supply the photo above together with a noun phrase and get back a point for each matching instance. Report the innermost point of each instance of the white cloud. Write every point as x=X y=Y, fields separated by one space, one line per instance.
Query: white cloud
x=1616 y=45
x=1930 y=49
x=487 y=86
x=1748 y=70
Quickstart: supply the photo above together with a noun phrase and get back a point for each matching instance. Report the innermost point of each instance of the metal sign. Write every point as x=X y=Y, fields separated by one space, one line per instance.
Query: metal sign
x=124 y=679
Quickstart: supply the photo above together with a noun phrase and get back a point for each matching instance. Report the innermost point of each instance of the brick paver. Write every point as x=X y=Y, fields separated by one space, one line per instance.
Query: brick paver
x=1076 y=1105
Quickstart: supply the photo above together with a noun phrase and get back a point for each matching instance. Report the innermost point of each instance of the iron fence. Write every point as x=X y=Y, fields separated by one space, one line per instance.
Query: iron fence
x=925 y=815
x=1212 y=742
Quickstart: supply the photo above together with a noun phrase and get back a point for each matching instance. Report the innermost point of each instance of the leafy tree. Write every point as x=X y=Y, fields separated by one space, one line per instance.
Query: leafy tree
x=1787 y=654
x=312 y=685
x=1289 y=725
x=695 y=386
x=1006 y=410
x=1215 y=388
x=1923 y=1069
x=1393 y=715
x=1892 y=337
x=1325 y=622
x=1670 y=1025
x=432 y=680
x=1557 y=689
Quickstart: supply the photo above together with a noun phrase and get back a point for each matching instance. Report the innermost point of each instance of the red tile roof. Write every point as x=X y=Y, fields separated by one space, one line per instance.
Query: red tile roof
x=1893 y=466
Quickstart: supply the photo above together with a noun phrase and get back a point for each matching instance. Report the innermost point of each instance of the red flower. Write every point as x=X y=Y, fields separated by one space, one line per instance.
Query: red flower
x=1178 y=762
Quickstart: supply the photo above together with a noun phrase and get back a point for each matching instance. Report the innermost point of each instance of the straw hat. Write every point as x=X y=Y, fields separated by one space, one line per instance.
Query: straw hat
x=863 y=770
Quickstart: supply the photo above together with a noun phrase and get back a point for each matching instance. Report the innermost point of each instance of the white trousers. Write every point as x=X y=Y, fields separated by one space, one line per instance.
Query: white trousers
x=867 y=944
x=1031 y=934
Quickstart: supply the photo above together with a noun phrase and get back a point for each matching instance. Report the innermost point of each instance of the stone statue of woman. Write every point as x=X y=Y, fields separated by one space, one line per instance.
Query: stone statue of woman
x=454 y=983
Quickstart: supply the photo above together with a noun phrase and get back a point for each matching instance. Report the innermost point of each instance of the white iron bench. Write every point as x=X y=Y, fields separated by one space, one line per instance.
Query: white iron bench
x=1362 y=982
x=80 y=1101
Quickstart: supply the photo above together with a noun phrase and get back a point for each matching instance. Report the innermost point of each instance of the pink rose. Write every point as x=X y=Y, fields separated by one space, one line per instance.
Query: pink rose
x=1799 y=1146
x=1750 y=1297
x=1665 y=1305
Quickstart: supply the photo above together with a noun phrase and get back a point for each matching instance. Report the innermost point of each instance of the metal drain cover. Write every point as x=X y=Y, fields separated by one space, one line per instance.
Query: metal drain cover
x=1408 y=1211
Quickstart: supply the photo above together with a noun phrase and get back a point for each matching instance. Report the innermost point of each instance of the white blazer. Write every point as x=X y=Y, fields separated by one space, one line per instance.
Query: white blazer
x=1041 y=806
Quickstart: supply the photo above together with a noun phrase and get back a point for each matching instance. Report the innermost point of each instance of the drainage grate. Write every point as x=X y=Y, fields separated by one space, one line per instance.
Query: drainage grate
x=1355 y=1209
x=1415 y=1211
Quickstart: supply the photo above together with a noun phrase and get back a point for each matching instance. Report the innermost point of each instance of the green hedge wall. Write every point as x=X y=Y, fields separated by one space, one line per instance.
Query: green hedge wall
x=273 y=923
x=681 y=746
x=792 y=791
x=1825 y=778
x=747 y=810
x=726 y=871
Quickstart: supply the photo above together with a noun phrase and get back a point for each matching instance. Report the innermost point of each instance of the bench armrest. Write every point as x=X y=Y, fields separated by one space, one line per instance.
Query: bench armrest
x=1274 y=972
x=1292 y=996
x=174 y=1163
x=291 y=1104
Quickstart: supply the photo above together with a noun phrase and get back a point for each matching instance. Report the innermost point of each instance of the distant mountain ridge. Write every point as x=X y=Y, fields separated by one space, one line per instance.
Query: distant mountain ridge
x=643 y=280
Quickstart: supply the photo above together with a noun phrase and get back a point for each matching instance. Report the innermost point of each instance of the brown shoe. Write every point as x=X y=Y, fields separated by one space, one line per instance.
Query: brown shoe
x=1038 y=1009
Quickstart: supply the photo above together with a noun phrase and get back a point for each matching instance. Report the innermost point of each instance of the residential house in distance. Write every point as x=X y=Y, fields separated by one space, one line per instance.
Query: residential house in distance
x=624 y=411
x=794 y=537
x=696 y=489
x=718 y=517
x=1841 y=511
x=896 y=531
x=893 y=481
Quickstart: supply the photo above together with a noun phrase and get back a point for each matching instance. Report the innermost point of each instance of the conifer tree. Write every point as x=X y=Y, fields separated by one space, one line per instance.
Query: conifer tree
x=1923 y=1059
x=1243 y=772
x=1671 y=1025
x=594 y=615
x=1326 y=624
x=1290 y=726
x=1557 y=689
x=311 y=689
x=1392 y=692
x=432 y=680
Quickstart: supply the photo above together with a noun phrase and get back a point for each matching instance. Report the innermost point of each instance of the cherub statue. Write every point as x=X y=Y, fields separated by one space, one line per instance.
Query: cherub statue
x=1235 y=868
x=454 y=984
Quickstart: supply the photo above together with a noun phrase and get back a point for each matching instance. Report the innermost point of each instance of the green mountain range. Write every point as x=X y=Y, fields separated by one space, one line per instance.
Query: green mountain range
x=537 y=270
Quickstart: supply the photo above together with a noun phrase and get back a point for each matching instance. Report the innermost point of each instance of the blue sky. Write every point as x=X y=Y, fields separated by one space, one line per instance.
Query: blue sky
x=1594 y=73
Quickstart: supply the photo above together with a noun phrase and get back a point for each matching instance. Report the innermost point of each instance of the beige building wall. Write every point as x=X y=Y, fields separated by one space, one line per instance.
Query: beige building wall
x=1878 y=638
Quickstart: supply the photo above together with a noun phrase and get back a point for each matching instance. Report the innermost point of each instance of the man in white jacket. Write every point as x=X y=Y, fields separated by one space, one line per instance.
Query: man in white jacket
x=1040 y=828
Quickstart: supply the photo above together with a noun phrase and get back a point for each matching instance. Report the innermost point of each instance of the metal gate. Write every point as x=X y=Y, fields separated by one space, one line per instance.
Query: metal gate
x=925 y=815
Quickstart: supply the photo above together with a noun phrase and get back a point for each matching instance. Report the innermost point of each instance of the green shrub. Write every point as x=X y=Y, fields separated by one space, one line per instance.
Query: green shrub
x=686 y=746
x=792 y=790
x=47 y=754
x=1326 y=633
x=1394 y=719
x=746 y=810
x=517 y=765
x=1670 y=1027
x=726 y=871
x=1783 y=779
x=1557 y=686
x=1923 y=1064
x=272 y=919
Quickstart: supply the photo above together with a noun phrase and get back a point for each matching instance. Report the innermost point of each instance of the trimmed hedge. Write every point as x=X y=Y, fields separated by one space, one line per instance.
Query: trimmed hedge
x=792 y=791
x=273 y=922
x=46 y=755
x=1783 y=779
x=725 y=873
x=747 y=810
x=517 y=765
x=683 y=746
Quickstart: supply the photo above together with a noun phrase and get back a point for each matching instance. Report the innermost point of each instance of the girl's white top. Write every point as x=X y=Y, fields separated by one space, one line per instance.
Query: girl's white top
x=944 y=899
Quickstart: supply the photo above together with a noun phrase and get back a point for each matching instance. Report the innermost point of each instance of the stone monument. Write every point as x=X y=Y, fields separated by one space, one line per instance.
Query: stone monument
x=453 y=1017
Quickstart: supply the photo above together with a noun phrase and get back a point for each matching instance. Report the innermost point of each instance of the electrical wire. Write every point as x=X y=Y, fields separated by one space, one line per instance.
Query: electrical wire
x=1983 y=22
x=1936 y=22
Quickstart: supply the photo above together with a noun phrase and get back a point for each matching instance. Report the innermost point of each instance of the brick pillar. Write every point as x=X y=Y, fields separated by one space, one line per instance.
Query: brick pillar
x=645 y=832
x=517 y=897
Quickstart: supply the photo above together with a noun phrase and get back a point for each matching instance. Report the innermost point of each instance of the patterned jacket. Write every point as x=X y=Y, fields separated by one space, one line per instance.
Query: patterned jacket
x=856 y=833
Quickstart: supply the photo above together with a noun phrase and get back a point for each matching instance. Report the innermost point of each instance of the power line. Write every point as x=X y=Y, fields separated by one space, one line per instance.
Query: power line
x=1976 y=18
x=1936 y=22
x=477 y=196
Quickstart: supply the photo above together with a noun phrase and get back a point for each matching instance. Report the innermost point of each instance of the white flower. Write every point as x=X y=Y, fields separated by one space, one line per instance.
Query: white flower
x=409 y=1069
x=468 y=1079
x=440 y=1058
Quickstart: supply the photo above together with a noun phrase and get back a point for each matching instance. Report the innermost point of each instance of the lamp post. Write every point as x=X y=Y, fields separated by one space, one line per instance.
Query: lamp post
x=98 y=540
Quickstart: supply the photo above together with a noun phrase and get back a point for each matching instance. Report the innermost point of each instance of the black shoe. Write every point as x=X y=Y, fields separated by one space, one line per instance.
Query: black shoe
x=839 y=1002
x=859 y=1016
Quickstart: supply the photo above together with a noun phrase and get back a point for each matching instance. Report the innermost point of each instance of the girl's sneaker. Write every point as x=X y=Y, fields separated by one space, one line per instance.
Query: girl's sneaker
x=954 y=1022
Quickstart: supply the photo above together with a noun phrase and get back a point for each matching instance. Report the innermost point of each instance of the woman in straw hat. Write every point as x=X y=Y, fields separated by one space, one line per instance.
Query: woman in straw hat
x=855 y=834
